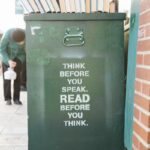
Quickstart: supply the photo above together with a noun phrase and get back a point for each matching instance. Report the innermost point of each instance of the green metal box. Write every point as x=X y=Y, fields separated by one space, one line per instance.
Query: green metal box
x=75 y=65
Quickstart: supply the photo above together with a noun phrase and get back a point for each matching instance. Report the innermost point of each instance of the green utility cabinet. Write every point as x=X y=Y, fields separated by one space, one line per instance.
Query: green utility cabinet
x=75 y=65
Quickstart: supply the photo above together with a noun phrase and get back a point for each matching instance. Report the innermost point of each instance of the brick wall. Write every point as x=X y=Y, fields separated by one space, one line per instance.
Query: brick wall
x=141 y=126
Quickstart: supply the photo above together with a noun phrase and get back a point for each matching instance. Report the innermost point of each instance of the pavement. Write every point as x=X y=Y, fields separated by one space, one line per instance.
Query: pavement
x=13 y=123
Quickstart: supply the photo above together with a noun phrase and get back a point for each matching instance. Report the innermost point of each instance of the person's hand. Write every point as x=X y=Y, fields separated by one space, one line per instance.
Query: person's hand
x=12 y=64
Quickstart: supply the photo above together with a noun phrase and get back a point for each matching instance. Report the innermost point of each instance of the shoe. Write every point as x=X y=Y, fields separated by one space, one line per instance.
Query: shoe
x=8 y=102
x=17 y=102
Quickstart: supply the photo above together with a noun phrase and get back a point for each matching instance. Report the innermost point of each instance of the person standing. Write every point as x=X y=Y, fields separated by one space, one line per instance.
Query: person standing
x=12 y=50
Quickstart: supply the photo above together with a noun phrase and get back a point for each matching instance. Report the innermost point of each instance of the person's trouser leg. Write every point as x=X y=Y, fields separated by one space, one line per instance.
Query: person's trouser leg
x=6 y=84
x=17 y=69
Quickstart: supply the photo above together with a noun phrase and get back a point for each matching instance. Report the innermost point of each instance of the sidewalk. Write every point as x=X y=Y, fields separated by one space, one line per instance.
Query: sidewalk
x=13 y=123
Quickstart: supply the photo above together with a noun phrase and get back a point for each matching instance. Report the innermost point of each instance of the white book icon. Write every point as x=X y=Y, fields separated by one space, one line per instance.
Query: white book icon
x=77 y=3
x=106 y=5
x=45 y=5
x=72 y=5
x=62 y=6
x=100 y=4
x=33 y=5
x=93 y=6
x=50 y=5
x=55 y=5
x=82 y=3
x=67 y=2
x=39 y=6
x=27 y=6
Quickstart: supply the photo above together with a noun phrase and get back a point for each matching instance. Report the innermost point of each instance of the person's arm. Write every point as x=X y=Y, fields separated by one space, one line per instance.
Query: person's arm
x=3 y=52
x=3 y=49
